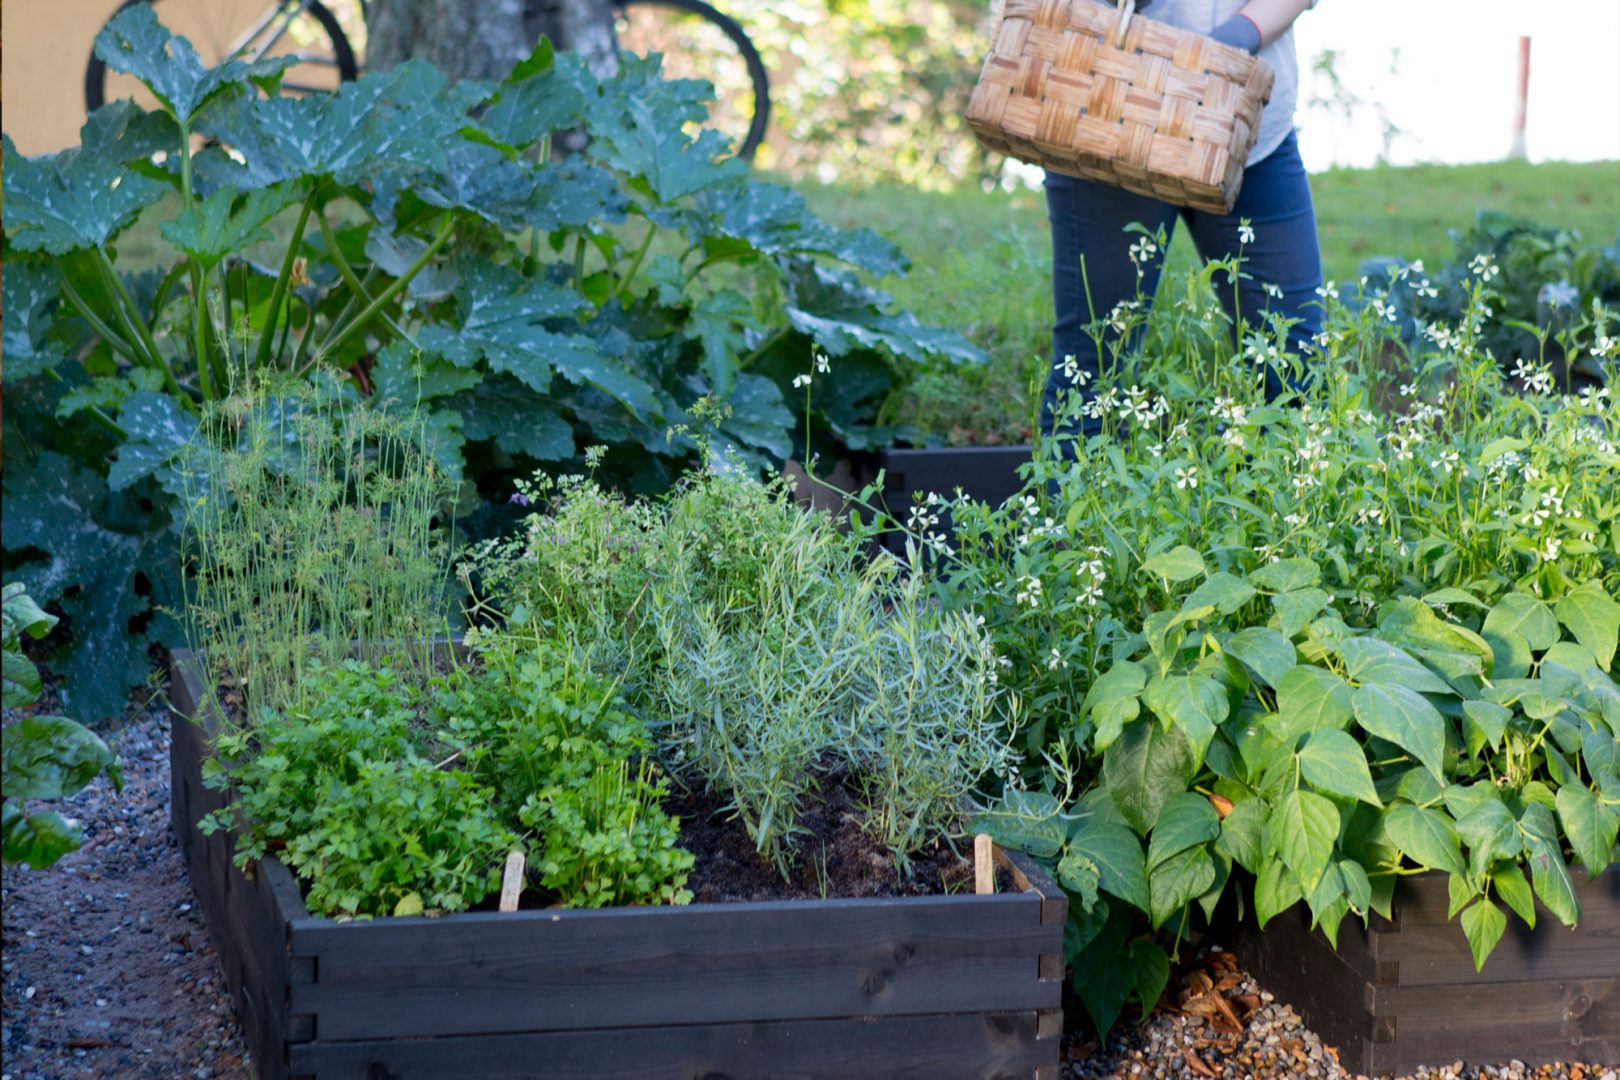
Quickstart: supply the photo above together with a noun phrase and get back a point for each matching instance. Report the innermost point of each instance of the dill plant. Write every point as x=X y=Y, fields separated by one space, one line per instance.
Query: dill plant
x=314 y=530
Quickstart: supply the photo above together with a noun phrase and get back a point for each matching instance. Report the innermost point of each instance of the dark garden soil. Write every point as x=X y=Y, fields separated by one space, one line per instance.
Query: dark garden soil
x=108 y=970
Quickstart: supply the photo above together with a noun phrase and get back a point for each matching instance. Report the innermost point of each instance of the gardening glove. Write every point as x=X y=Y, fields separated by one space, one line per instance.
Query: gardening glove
x=1240 y=32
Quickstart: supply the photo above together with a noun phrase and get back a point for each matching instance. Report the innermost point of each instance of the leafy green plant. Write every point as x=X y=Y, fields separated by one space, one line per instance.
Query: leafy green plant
x=1329 y=641
x=763 y=650
x=345 y=794
x=418 y=237
x=386 y=798
x=315 y=530
x=44 y=757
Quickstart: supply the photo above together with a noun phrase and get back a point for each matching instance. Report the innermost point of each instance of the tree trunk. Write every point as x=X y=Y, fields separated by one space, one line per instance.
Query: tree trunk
x=484 y=39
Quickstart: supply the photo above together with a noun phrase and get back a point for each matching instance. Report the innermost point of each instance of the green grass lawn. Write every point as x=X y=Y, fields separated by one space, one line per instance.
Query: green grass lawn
x=980 y=261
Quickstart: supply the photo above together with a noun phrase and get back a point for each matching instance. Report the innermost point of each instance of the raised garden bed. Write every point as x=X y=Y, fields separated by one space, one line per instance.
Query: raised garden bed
x=938 y=986
x=988 y=474
x=1403 y=993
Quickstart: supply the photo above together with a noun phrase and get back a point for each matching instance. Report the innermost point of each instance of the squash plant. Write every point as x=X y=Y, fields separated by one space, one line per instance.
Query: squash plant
x=419 y=235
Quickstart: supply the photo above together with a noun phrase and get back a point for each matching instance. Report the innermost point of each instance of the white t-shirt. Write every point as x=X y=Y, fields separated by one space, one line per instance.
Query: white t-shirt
x=1202 y=16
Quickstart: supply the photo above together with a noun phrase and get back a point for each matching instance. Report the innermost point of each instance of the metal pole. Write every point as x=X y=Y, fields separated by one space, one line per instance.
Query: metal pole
x=1521 y=99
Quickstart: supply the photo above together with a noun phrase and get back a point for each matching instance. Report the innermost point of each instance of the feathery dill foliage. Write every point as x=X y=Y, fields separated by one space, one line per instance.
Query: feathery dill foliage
x=314 y=528
x=765 y=650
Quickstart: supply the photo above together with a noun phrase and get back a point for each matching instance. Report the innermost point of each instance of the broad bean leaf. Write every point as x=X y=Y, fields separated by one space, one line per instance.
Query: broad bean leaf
x=1484 y=724
x=1242 y=832
x=1303 y=830
x=1287 y=575
x=135 y=43
x=1548 y=871
x=1150 y=970
x=1311 y=698
x=1079 y=876
x=1405 y=718
x=28 y=296
x=1369 y=660
x=1178 y=881
x=1116 y=852
x=1275 y=890
x=1222 y=591
x=1484 y=924
x=1143 y=768
x=1180 y=563
x=1113 y=700
x=1426 y=836
x=1187 y=820
x=1515 y=891
x=1335 y=763
x=1488 y=827
x=1193 y=703
x=1594 y=618
x=1526 y=616
x=1268 y=654
x=1296 y=609
x=51 y=757
x=1591 y=827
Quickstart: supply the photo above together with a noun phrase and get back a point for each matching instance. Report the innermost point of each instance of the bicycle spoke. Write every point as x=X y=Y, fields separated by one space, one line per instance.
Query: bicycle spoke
x=286 y=23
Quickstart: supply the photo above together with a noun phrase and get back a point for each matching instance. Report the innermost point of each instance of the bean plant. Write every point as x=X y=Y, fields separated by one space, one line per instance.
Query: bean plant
x=1363 y=631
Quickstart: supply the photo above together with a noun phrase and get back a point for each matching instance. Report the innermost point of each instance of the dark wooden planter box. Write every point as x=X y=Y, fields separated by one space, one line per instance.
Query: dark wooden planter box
x=939 y=986
x=1404 y=993
x=988 y=474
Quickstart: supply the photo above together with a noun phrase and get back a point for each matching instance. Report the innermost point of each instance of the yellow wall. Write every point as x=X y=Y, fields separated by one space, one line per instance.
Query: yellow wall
x=47 y=45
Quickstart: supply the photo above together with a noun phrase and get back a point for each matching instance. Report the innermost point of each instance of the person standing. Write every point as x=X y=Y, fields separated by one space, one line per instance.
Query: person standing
x=1272 y=225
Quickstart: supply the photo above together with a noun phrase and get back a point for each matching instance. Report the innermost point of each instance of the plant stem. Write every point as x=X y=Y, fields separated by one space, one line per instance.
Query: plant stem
x=635 y=263
x=350 y=278
x=130 y=315
x=116 y=340
x=765 y=346
x=95 y=412
x=261 y=355
x=395 y=287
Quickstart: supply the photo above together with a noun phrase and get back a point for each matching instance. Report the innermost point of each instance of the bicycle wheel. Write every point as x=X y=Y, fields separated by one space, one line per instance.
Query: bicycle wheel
x=699 y=42
x=248 y=29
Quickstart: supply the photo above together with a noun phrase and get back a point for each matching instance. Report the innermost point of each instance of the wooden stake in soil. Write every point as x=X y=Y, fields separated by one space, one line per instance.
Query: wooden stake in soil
x=984 y=865
x=512 y=881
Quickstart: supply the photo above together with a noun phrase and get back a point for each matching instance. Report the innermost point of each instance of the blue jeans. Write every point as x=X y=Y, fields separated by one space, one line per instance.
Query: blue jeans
x=1088 y=221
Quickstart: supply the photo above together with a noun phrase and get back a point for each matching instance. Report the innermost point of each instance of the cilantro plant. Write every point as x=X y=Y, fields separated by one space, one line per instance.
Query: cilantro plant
x=419 y=237
x=387 y=798
x=44 y=757
x=1326 y=641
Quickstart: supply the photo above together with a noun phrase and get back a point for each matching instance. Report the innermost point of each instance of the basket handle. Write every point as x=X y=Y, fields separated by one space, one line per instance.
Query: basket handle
x=1127 y=8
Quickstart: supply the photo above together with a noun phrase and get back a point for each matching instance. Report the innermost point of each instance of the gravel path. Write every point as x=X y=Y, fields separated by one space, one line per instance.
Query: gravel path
x=108 y=970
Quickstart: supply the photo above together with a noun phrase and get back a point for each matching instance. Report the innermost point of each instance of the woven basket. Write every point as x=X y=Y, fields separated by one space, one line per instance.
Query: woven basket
x=1097 y=92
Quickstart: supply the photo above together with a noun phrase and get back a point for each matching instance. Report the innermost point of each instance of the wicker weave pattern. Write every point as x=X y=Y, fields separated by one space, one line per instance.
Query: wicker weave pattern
x=1171 y=114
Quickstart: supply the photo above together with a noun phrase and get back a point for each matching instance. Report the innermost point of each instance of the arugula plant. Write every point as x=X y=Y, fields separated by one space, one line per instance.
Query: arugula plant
x=418 y=236
x=1328 y=641
x=44 y=757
